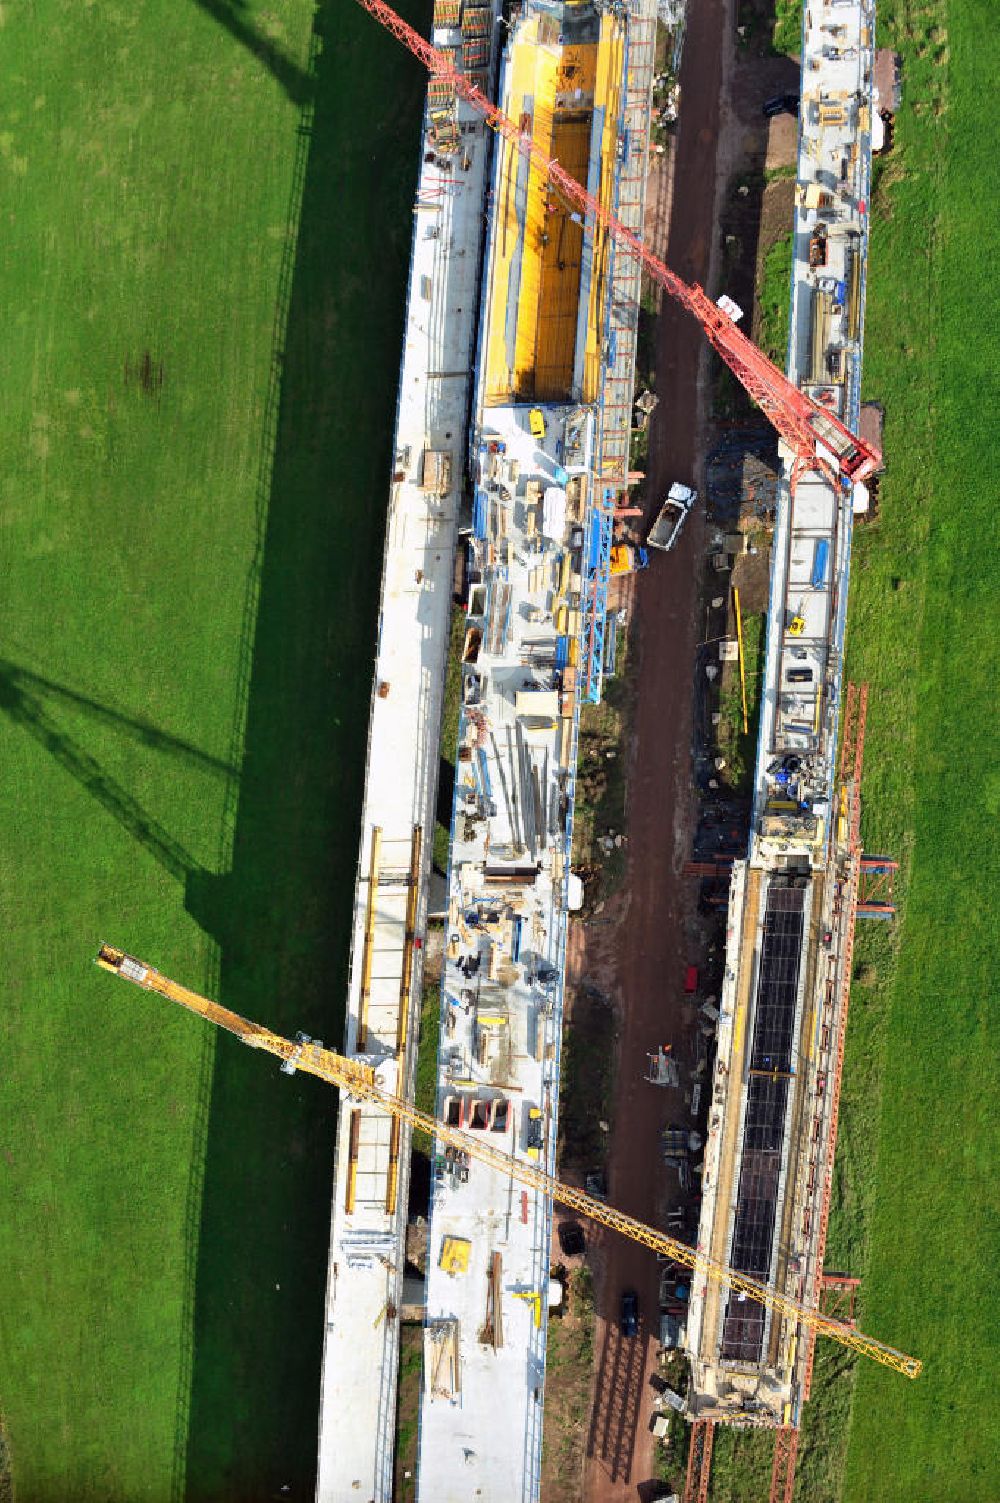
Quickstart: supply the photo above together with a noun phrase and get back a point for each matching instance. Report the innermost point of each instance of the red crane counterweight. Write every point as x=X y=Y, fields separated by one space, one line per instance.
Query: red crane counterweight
x=815 y=435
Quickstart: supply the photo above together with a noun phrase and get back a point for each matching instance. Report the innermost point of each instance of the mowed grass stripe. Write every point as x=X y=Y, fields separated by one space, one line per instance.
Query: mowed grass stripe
x=931 y=1279
x=147 y=156
x=127 y=526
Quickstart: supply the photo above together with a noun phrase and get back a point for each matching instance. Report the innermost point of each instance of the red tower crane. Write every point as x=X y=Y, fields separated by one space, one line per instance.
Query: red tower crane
x=815 y=436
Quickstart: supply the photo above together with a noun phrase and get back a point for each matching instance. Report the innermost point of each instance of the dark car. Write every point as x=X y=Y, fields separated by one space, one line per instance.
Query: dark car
x=571 y=1239
x=630 y=1313
x=782 y=104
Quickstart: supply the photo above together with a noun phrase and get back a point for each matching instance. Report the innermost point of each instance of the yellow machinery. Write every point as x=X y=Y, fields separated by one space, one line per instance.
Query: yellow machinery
x=363 y=1083
x=454 y=1257
x=627 y=558
x=533 y=1298
x=743 y=673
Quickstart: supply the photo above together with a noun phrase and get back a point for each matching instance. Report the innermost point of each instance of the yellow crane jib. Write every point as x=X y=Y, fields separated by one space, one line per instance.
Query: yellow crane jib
x=302 y=1053
x=377 y=1085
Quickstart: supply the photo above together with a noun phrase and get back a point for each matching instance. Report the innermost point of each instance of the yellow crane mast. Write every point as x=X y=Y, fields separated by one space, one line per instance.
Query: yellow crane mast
x=377 y=1084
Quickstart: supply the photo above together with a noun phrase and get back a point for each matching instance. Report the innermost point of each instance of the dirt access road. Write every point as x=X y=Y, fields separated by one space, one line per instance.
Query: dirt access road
x=640 y=959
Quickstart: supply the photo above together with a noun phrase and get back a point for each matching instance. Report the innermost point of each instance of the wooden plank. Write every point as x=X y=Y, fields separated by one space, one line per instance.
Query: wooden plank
x=366 y=952
x=406 y=979
x=352 y=1161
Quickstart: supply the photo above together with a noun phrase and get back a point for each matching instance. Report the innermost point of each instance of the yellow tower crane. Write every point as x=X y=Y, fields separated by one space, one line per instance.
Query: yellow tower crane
x=377 y=1084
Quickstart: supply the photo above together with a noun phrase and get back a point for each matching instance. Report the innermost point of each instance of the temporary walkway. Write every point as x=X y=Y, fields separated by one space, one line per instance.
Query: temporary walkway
x=610 y=362
x=360 y=1360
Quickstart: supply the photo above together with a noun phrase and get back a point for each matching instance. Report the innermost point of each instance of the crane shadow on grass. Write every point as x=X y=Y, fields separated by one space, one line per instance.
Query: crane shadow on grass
x=19 y=682
x=28 y=699
x=296 y=81
x=281 y=913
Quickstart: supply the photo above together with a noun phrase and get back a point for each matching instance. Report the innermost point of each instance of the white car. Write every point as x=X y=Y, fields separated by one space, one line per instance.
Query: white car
x=670 y=519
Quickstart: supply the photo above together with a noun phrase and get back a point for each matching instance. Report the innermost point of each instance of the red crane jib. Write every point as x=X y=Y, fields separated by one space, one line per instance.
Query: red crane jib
x=802 y=423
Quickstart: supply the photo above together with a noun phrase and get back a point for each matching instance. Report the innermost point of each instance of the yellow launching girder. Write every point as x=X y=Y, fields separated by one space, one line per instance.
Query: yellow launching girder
x=361 y=1083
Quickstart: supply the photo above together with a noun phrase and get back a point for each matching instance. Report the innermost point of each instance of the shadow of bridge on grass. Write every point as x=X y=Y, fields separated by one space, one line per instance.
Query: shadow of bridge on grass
x=279 y=901
x=281 y=913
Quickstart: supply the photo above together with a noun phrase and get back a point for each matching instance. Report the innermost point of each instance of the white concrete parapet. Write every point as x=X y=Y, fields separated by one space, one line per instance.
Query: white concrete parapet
x=364 y=1292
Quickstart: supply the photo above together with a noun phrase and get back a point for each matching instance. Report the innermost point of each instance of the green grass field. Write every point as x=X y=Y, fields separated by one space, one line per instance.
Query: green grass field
x=737 y=746
x=200 y=386
x=923 y=632
x=787 y=26
x=774 y=300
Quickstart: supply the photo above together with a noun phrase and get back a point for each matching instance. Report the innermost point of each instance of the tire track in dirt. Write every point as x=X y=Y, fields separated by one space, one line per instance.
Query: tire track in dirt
x=640 y=961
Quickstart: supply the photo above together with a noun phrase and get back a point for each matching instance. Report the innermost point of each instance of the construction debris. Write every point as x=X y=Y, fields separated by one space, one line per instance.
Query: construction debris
x=491 y=1331
x=442 y=1359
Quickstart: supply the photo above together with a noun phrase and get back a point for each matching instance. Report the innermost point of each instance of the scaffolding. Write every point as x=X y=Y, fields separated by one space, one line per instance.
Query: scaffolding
x=625 y=272
x=875 y=887
x=597 y=578
x=786 y=1449
x=852 y=761
x=617 y=383
x=699 y=1467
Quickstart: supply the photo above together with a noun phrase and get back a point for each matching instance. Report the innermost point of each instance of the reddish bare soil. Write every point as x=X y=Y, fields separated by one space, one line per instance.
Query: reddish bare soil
x=641 y=960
